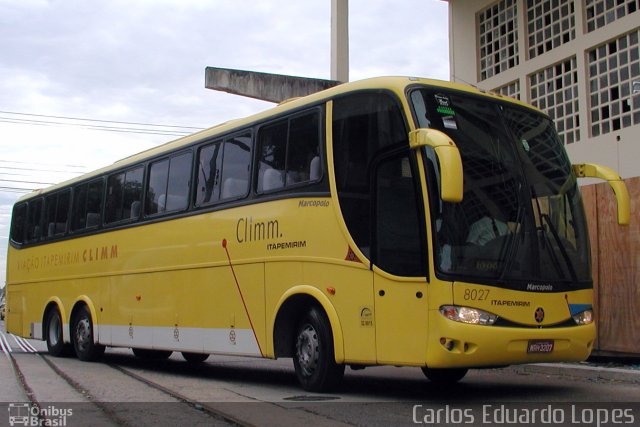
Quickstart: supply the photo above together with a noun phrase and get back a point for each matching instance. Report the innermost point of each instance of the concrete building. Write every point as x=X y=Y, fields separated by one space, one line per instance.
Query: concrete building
x=578 y=60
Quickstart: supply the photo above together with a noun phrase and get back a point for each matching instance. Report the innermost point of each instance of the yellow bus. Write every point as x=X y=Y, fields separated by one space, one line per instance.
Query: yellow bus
x=391 y=221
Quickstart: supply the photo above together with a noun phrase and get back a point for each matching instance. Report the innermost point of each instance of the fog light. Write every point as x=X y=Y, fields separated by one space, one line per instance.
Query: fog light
x=469 y=315
x=584 y=317
x=447 y=343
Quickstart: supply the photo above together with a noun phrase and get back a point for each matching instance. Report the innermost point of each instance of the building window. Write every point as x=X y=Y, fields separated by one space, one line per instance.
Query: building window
x=510 y=89
x=599 y=13
x=498 y=32
x=550 y=23
x=612 y=68
x=555 y=91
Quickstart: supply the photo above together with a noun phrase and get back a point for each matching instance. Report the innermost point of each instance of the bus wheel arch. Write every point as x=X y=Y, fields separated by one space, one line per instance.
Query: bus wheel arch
x=293 y=306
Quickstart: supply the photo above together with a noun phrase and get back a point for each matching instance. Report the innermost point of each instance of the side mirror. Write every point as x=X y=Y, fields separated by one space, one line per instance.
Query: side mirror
x=590 y=170
x=451 y=182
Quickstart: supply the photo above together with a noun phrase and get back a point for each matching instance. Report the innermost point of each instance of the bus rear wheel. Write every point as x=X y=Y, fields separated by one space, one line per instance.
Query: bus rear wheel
x=55 y=342
x=194 y=357
x=82 y=337
x=314 y=358
x=445 y=376
x=143 y=353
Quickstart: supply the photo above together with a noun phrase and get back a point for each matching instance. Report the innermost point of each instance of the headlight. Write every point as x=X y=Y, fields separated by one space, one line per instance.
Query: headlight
x=468 y=315
x=584 y=317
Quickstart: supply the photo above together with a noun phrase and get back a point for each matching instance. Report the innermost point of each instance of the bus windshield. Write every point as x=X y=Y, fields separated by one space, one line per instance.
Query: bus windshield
x=521 y=223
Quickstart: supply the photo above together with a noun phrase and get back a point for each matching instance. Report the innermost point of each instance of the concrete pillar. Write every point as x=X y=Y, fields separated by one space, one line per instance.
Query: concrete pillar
x=340 y=40
x=263 y=86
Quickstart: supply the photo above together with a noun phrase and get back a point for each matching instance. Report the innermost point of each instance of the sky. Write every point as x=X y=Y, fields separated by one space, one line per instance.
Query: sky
x=117 y=67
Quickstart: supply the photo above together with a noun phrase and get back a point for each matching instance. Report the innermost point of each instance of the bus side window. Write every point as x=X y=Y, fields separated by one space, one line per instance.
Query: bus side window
x=94 y=203
x=57 y=213
x=87 y=205
x=34 y=220
x=209 y=168
x=168 y=187
x=19 y=219
x=124 y=194
x=157 y=187
x=304 y=146
x=289 y=152
x=364 y=124
x=236 y=166
x=79 y=209
x=272 y=148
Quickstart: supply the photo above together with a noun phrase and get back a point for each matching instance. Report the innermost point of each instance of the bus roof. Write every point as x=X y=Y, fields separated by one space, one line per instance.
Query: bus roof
x=395 y=84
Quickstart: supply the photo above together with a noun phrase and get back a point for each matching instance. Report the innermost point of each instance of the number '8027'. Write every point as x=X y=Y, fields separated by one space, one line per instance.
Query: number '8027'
x=476 y=294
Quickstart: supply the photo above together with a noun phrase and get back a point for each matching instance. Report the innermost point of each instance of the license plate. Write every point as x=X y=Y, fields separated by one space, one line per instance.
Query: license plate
x=540 y=346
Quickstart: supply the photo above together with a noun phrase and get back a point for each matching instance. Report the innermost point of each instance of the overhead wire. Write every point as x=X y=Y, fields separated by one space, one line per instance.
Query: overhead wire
x=32 y=119
x=95 y=124
x=26 y=182
x=16 y=189
x=9 y=174
x=38 y=170
x=100 y=121
x=41 y=164
x=95 y=127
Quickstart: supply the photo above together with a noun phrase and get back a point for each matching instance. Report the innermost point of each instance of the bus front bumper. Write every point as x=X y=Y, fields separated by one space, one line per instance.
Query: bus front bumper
x=454 y=344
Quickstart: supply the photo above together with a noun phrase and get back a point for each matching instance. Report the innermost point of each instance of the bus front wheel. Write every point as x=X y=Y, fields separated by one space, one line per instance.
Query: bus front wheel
x=314 y=359
x=82 y=336
x=55 y=343
x=445 y=376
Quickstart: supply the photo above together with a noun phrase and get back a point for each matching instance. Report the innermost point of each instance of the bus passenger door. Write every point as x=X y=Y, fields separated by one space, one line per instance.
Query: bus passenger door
x=401 y=311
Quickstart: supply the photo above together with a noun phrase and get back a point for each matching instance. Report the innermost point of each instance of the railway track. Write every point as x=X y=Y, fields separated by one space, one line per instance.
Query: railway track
x=123 y=391
x=16 y=349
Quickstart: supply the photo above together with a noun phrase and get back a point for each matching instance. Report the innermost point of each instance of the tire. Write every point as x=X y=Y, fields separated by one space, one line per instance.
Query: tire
x=445 y=376
x=194 y=357
x=313 y=357
x=82 y=337
x=53 y=332
x=146 y=354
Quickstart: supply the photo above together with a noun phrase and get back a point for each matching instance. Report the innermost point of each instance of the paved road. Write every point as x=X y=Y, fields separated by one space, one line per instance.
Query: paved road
x=123 y=390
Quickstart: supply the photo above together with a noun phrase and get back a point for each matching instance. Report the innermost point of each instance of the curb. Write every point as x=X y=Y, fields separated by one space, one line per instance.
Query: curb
x=592 y=373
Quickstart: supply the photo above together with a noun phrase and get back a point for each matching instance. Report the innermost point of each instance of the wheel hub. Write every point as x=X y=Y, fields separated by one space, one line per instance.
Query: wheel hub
x=54 y=330
x=83 y=334
x=307 y=350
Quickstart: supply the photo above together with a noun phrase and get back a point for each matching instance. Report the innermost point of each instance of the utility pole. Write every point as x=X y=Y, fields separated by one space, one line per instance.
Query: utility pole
x=340 y=40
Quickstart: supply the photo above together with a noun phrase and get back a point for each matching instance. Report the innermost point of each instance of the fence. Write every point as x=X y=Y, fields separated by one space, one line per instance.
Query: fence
x=615 y=254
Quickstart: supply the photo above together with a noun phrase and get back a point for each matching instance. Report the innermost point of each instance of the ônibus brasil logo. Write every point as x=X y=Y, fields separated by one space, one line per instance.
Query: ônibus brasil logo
x=27 y=414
